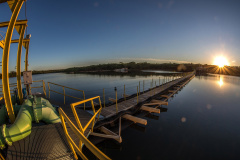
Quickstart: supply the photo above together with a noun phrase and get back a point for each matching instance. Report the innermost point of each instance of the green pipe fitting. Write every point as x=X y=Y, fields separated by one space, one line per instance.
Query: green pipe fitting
x=36 y=109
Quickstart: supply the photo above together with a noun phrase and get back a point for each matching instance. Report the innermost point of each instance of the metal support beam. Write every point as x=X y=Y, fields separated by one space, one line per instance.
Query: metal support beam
x=18 y=22
x=19 y=54
x=5 y=60
x=26 y=56
x=17 y=40
x=2 y=44
x=26 y=66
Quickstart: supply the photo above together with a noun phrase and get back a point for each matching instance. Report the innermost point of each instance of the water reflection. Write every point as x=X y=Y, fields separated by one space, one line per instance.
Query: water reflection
x=220 y=82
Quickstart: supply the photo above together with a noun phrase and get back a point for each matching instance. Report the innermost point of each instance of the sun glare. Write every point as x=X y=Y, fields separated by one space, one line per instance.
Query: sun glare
x=220 y=82
x=221 y=61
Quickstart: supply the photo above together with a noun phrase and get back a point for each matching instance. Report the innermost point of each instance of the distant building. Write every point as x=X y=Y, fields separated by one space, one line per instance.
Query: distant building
x=121 y=70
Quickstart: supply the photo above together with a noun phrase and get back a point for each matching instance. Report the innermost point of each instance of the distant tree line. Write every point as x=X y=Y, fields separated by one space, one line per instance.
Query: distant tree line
x=134 y=66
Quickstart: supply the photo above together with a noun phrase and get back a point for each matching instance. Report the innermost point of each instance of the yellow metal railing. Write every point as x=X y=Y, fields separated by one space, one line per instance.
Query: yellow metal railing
x=1 y=157
x=43 y=86
x=95 y=113
x=11 y=85
x=64 y=94
x=65 y=120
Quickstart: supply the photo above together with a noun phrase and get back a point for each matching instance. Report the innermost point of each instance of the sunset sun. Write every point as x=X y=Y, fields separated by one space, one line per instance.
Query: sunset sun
x=220 y=61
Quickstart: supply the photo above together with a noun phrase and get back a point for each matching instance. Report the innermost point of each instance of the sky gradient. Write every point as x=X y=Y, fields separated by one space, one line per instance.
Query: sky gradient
x=78 y=33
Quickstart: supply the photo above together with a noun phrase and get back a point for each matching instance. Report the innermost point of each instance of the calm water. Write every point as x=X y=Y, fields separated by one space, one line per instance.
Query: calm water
x=202 y=120
x=93 y=85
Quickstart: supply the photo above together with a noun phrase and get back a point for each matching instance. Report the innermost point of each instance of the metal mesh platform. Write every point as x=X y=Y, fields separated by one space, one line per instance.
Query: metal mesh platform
x=45 y=142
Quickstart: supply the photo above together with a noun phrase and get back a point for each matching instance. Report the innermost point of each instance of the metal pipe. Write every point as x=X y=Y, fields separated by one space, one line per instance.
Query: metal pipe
x=19 y=53
x=26 y=64
x=5 y=60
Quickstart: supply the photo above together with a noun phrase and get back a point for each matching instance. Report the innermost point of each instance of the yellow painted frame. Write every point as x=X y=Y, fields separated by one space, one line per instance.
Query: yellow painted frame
x=43 y=86
x=19 y=54
x=64 y=92
x=5 y=60
x=92 y=120
x=82 y=138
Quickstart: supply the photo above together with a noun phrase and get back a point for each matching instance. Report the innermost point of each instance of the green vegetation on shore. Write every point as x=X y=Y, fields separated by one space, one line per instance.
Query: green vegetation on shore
x=136 y=67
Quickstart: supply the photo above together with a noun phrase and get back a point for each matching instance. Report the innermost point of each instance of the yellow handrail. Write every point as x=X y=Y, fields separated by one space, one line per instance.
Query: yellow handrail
x=64 y=92
x=43 y=86
x=11 y=85
x=82 y=138
x=92 y=120
x=1 y=157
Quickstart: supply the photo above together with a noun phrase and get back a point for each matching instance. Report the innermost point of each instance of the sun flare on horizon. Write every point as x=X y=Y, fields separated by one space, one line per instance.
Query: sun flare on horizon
x=220 y=61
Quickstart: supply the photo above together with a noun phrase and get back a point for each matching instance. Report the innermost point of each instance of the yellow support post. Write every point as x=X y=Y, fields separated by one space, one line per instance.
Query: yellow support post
x=26 y=65
x=44 y=88
x=19 y=54
x=5 y=60
x=26 y=56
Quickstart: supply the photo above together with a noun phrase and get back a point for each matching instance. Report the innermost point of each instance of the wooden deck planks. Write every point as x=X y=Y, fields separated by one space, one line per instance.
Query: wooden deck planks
x=125 y=105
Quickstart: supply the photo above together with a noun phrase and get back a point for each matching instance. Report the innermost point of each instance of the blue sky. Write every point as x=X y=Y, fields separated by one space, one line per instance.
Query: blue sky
x=78 y=33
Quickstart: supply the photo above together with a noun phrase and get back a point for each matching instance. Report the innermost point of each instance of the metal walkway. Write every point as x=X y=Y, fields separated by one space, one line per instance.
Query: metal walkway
x=45 y=142
x=130 y=103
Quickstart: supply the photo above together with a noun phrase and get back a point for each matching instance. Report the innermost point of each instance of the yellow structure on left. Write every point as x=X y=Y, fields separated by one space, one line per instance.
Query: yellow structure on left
x=20 y=26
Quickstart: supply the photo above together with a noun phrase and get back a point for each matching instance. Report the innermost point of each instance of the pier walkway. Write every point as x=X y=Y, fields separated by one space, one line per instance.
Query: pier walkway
x=130 y=103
